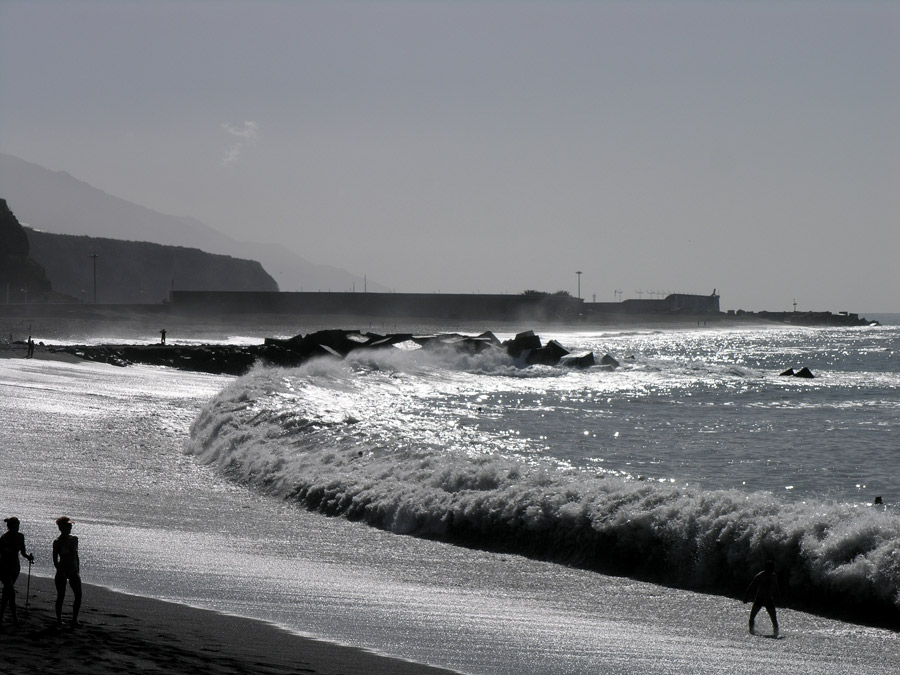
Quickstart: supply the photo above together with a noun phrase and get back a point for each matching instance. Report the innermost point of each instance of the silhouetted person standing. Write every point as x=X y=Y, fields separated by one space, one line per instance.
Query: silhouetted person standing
x=12 y=543
x=65 y=560
x=765 y=587
x=30 y=352
x=162 y=336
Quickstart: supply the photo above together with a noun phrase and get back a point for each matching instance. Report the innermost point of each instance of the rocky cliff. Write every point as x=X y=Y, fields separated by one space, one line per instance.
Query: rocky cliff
x=22 y=279
x=138 y=272
x=55 y=201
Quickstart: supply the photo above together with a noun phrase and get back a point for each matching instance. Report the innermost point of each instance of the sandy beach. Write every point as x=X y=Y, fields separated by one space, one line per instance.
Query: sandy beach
x=121 y=633
x=126 y=633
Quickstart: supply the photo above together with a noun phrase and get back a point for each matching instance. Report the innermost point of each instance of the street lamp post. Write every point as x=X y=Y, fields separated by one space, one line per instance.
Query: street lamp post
x=579 y=284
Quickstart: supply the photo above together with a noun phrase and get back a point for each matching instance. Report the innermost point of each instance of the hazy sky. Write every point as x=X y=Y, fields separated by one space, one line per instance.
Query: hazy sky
x=752 y=147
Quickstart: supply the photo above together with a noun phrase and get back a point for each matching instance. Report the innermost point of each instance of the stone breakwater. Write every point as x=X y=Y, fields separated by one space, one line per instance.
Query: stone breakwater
x=525 y=348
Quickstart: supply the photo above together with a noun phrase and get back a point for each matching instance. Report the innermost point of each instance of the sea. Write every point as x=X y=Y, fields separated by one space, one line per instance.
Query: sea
x=478 y=513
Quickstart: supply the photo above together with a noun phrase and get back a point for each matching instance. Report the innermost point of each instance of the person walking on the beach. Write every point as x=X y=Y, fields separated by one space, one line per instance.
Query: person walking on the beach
x=30 y=352
x=765 y=586
x=65 y=560
x=12 y=543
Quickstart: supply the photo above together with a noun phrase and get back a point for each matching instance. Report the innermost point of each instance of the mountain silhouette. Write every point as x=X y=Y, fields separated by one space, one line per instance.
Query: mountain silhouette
x=57 y=202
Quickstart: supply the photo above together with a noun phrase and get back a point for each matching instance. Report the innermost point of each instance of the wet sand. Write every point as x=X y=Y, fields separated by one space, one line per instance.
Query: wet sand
x=121 y=633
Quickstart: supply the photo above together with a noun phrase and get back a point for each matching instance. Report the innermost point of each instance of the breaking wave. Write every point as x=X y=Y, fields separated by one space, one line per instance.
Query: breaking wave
x=396 y=443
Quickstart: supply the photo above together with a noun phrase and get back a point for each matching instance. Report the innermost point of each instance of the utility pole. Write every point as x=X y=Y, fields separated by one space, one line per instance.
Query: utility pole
x=94 y=257
x=579 y=284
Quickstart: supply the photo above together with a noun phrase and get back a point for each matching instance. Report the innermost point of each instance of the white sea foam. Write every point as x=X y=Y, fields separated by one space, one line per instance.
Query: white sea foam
x=399 y=442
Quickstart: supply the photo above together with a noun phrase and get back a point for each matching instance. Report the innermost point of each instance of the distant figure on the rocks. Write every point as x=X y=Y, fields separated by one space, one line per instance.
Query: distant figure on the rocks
x=12 y=543
x=765 y=588
x=162 y=336
x=65 y=560
x=30 y=344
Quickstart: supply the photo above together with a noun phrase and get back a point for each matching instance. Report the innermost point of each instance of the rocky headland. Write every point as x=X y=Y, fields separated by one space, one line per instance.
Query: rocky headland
x=139 y=271
x=22 y=278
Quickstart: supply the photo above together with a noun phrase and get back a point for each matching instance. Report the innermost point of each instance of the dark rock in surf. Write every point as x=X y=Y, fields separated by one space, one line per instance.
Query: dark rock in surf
x=787 y=373
x=489 y=337
x=804 y=372
x=384 y=341
x=548 y=355
x=539 y=357
x=556 y=350
x=335 y=342
x=582 y=360
x=460 y=343
x=526 y=340
x=608 y=362
x=278 y=355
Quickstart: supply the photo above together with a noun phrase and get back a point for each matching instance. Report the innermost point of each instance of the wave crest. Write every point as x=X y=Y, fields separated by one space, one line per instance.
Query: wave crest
x=295 y=436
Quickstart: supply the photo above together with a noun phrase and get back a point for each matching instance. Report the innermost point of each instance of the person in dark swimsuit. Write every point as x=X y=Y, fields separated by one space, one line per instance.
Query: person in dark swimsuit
x=765 y=588
x=12 y=544
x=68 y=568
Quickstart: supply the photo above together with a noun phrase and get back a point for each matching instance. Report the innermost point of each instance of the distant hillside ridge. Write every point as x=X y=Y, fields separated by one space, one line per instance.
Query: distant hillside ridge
x=22 y=279
x=56 y=201
x=133 y=272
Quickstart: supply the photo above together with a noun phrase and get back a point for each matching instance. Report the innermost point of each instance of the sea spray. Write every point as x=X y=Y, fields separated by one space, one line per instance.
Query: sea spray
x=383 y=442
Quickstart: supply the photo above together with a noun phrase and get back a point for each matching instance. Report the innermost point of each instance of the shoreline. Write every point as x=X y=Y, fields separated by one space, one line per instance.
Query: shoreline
x=114 y=326
x=120 y=632
x=229 y=358
x=235 y=355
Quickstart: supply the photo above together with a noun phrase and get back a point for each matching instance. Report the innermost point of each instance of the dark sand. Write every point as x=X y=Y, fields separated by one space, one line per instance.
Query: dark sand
x=122 y=633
